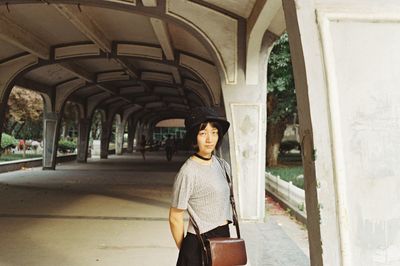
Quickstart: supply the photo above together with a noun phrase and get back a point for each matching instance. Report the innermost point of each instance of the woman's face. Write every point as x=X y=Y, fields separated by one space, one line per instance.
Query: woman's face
x=207 y=139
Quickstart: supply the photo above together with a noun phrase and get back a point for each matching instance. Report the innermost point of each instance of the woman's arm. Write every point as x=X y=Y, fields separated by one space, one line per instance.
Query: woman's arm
x=176 y=225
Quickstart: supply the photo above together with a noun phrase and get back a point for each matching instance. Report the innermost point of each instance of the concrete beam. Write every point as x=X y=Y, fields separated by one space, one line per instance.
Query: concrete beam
x=177 y=75
x=183 y=94
x=129 y=68
x=30 y=84
x=86 y=25
x=149 y=3
x=161 y=31
x=22 y=38
x=259 y=21
x=79 y=71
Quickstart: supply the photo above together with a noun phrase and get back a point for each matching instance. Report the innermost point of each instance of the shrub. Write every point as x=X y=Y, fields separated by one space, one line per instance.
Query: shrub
x=65 y=145
x=8 y=142
x=288 y=145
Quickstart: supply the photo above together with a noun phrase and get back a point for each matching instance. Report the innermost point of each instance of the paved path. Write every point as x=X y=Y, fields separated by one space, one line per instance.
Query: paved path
x=112 y=212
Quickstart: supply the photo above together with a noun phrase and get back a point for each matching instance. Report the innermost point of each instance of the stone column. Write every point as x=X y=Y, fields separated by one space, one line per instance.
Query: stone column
x=105 y=139
x=150 y=132
x=131 y=134
x=119 y=138
x=50 y=140
x=139 y=130
x=83 y=140
x=246 y=108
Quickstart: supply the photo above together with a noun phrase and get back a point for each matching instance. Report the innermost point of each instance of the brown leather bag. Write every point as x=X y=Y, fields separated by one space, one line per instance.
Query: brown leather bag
x=226 y=251
x=223 y=251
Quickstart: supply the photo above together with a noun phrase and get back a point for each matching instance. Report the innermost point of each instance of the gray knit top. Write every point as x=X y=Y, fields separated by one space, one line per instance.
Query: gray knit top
x=204 y=192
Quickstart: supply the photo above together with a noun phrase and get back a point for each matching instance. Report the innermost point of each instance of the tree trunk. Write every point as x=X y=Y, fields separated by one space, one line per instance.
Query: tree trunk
x=24 y=149
x=20 y=128
x=274 y=137
x=275 y=132
x=12 y=128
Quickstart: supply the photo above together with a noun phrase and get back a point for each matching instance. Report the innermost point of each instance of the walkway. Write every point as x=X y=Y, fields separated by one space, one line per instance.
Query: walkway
x=112 y=212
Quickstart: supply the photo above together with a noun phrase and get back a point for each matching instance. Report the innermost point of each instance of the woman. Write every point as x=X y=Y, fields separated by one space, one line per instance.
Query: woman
x=201 y=188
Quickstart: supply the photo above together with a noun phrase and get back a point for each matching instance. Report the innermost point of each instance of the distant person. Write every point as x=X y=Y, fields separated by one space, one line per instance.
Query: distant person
x=142 y=146
x=21 y=145
x=169 y=147
x=175 y=150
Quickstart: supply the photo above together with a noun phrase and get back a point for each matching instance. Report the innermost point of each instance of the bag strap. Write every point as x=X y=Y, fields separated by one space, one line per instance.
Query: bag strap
x=232 y=201
x=231 y=198
x=235 y=218
x=204 y=254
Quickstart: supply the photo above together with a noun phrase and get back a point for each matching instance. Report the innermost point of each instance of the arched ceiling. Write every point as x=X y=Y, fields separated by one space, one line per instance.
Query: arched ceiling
x=116 y=53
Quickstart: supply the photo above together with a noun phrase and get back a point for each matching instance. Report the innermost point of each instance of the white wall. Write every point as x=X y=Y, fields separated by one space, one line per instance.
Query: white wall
x=352 y=64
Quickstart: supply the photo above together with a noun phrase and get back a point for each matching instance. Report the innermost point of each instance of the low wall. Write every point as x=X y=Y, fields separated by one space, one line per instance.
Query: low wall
x=29 y=163
x=288 y=195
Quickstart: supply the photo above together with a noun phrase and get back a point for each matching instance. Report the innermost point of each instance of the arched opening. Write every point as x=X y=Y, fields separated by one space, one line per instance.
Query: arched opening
x=96 y=132
x=68 y=136
x=115 y=133
x=23 y=125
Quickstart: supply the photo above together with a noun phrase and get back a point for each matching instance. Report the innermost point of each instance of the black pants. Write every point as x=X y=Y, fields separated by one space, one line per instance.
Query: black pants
x=190 y=252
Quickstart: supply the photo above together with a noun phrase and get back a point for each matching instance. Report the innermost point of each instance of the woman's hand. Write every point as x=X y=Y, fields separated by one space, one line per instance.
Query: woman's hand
x=176 y=225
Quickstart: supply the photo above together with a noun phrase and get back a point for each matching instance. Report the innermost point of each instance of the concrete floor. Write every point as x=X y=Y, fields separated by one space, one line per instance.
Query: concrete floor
x=113 y=212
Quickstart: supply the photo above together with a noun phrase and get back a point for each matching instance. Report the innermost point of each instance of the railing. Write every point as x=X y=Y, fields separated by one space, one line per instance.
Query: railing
x=28 y=163
x=288 y=194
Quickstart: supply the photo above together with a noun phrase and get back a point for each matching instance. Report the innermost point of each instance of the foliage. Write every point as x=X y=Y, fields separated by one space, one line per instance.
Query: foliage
x=70 y=120
x=96 y=126
x=8 y=141
x=24 y=105
x=289 y=145
x=290 y=159
x=30 y=129
x=24 y=113
x=280 y=85
x=289 y=174
x=17 y=156
x=65 y=145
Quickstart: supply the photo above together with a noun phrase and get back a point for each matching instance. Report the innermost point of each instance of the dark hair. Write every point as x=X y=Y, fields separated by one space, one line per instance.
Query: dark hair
x=192 y=134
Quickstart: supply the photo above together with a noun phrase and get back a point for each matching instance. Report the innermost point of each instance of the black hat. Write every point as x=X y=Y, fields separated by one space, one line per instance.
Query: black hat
x=200 y=115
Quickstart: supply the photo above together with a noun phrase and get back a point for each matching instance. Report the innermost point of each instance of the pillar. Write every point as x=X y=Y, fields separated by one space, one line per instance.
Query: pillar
x=246 y=108
x=346 y=63
x=51 y=123
x=139 y=129
x=130 y=136
x=119 y=137
x=83 y=140
x=105 y=139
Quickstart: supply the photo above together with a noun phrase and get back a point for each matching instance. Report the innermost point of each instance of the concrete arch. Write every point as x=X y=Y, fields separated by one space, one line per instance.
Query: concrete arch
x=47 y=102
x=81 y=109
x=177 y=12
x=128 y=112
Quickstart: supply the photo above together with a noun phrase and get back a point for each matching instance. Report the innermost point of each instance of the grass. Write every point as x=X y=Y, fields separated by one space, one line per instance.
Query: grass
x=289 y=174
x=14 y=157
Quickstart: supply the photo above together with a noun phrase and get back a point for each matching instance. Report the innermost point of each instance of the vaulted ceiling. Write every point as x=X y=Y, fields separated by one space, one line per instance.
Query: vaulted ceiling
x=123 y=55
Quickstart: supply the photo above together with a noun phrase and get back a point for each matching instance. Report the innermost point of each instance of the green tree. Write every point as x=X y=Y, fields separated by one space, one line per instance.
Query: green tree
x=69 y=121
x=23 y=106
x=24 y=112
x=7 y=142
x=281 y=97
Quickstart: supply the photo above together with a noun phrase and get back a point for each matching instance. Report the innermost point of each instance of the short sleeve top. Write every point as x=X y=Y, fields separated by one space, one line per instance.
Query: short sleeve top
x=203 y=191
